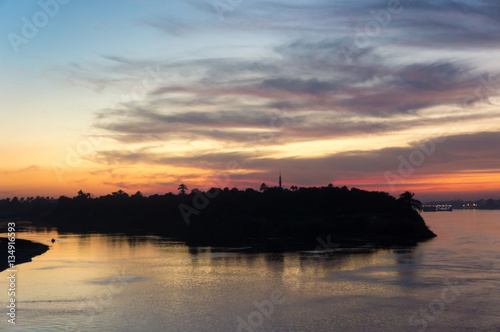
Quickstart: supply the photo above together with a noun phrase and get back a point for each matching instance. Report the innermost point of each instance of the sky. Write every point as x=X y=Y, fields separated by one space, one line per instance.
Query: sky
x=143 y=95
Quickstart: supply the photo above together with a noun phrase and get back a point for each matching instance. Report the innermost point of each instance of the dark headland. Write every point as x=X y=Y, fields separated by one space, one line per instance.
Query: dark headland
x=24 y=251
x=232 y=217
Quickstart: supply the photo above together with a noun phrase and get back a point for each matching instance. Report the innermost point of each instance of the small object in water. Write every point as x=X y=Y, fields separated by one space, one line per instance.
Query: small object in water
x=53 y=240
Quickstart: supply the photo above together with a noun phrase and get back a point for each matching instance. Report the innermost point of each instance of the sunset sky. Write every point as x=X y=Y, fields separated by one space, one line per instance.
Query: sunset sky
x=145 y=95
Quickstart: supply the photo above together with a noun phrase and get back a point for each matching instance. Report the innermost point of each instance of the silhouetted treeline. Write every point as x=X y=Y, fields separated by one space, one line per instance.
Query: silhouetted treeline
x=233 y=216
x=28 y=208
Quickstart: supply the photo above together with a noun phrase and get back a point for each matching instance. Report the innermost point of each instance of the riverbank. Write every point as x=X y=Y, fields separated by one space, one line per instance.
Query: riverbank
x=24 y=251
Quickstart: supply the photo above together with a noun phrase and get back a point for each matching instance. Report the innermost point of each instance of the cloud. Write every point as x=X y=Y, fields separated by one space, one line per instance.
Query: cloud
x=442 y=155
x=296 y=84
x=169 y=25
x=29 y=169
x=327 y=103
x=450 y=24
x=311 y=86
x=210 y=161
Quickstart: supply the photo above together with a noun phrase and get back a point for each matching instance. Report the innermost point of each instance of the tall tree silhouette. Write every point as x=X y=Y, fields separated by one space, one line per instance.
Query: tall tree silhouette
x=407 y=200
x=263 y=187
x=182 y=188
x=83 y=195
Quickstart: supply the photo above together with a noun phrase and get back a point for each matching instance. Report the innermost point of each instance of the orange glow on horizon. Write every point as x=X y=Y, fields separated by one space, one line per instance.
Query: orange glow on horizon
x=36 y=181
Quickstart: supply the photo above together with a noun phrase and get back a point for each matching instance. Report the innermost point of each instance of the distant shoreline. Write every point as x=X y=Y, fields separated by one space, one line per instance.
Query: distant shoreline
x=25 y=251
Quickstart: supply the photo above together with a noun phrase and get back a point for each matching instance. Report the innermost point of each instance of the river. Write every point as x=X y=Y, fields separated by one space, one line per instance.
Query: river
x=146 y=283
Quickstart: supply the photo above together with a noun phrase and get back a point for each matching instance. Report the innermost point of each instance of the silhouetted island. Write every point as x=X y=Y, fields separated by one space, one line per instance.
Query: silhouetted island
x=24 y=251
x=236 y=217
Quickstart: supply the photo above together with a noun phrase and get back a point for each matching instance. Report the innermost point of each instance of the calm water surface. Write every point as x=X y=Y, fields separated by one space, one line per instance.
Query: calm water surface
x=145 y=283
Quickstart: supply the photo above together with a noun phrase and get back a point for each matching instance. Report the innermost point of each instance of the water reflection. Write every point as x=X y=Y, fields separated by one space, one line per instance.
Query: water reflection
x=155 y=284
x=310 y=264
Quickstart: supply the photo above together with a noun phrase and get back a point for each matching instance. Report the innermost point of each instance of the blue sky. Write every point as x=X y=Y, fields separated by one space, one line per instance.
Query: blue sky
x=174 y=91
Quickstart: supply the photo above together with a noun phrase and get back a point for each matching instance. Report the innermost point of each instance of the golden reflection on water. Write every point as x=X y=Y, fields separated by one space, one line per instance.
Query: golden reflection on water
x=150 y=282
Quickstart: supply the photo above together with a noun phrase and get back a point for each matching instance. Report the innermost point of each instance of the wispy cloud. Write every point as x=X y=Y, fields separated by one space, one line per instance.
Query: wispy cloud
x=274 y=74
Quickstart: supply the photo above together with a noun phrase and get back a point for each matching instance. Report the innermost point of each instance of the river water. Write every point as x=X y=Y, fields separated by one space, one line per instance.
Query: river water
x=146 y=283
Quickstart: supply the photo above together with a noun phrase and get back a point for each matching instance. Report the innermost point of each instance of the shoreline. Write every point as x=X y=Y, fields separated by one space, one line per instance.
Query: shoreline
x=25 y=251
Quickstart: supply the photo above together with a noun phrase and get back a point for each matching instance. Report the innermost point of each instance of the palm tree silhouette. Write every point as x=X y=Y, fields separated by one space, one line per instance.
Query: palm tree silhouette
x=409 y=202
x=182 y=188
